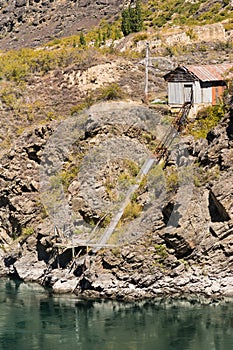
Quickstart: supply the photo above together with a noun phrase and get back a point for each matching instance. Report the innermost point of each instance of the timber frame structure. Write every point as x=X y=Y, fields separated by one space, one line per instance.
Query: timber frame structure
x=199 y=85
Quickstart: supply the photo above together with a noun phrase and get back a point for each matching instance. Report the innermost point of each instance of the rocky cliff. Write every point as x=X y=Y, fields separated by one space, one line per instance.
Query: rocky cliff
x=174 y=245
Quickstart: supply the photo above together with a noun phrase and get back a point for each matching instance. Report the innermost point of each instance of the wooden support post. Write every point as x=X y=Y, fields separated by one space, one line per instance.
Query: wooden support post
x=146 y=73
x=58 y=263
x=73 y=252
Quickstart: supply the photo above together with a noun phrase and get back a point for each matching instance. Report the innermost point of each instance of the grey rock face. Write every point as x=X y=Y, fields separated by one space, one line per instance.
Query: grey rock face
x=28 y=268
x=188 y=254
x=19 y=181
x=28 y=22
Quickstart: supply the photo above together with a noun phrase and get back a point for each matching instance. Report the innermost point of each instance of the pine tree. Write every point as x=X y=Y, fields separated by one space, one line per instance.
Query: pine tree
x=132 y=19
x=137 y=21
x=125 y=22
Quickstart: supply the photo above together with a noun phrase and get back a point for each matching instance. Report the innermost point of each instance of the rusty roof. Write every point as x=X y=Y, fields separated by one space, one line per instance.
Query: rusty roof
x=212 y=72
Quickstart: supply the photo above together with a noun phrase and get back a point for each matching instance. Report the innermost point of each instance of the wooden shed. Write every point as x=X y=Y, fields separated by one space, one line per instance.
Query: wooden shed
x=200 y=85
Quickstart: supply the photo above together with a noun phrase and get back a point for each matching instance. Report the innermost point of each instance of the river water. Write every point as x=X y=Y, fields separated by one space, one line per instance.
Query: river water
x=32 y=319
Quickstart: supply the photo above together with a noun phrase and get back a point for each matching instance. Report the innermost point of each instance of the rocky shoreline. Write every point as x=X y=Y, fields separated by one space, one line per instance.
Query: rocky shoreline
x=90 y=280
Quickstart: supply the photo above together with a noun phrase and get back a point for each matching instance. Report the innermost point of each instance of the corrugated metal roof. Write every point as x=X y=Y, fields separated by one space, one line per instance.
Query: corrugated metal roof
x=210 y=72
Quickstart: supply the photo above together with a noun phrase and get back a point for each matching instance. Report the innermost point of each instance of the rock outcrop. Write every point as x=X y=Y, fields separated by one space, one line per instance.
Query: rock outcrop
x=19 y=180
x=33 y=22
x=173 y=247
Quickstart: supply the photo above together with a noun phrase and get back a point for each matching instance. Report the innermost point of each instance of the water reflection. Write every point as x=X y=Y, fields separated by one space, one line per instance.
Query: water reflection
x=30 y=318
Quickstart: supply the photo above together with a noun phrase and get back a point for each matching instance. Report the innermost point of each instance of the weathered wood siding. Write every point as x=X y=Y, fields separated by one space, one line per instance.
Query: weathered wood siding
x=180 y=92
x=206 y=92
x=197 y=93
x=175 y=93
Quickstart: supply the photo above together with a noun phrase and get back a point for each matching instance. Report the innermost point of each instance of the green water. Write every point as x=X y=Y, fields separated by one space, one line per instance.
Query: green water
x=30 y=318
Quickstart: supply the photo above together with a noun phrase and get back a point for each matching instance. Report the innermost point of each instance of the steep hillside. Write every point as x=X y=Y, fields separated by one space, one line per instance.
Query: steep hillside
x=26 y=23
x=72 y=111
x=178 y=12
x=32 y=22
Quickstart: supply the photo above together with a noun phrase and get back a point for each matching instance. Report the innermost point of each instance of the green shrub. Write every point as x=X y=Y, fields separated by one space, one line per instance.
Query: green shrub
x=228 y=25
x=68 y=174
x=111 y=92
x=124 y=178
x=106 y=219
x=27 y=231
x=206 y=119
x=64 y=177
x=161 y=250
x=191 y=33
x=139 y=37
x=172 y=179
x=132 y=211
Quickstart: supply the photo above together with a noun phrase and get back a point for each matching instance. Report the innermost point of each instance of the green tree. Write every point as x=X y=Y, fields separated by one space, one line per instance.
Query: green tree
x=132 y=21
x=125 y=22
x=82 y=40
x=136 y=17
